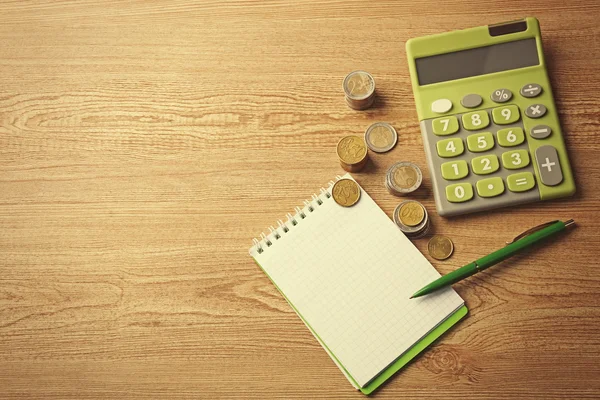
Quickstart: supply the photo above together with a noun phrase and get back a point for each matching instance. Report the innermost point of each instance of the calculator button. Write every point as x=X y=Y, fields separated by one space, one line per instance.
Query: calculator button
x=445 y=125
x=515 y=159
x=485 y=164
x=505 y=115
x=548 y=164
x=501 y=95
x=536 y=111
x=509 y=137
x=490 y=187
x=531 y=90
x=521 y=182
x=540 y=131
x=459 y=192
x=453 y=170
x=480 y=142
x=471 y=101
x=475 y=120
x=450 y=147
x=441 y=106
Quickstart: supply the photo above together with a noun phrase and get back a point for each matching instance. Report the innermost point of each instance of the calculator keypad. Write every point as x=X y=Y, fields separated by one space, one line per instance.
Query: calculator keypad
x=480 y=159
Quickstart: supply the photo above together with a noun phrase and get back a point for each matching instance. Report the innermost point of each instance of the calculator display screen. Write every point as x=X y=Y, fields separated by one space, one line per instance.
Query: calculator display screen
x=478 y=61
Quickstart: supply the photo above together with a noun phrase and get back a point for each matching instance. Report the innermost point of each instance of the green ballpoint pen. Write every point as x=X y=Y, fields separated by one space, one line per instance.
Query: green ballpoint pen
x=519 y=243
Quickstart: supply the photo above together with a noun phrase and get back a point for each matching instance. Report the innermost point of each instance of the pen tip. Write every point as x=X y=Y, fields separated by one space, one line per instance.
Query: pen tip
x=411 y=297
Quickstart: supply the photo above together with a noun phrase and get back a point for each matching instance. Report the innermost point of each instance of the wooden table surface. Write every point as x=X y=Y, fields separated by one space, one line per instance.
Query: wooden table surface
x=144 y=143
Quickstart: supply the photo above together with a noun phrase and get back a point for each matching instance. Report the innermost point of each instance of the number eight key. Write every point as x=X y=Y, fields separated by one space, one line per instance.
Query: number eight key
x=476 y=120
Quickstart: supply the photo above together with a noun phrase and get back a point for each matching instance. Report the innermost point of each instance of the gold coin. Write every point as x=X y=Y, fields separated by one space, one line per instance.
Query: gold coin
x=405 y=177
x=359 y=85
x=351 y=149
x=440 y=247
x=411 y=213
x=346 y=192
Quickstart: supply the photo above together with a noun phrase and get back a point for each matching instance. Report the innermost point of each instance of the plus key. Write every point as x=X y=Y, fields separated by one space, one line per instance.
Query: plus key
x=546 y=158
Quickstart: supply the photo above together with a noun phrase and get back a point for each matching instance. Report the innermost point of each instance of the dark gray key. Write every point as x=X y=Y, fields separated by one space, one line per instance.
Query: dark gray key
x=548 y=164
x=471 y=100
x=536 y=111
x=501 y=95
x=540 y=131
x=531 y=90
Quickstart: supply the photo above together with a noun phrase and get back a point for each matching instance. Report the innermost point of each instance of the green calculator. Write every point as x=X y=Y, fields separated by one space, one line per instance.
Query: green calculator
x=488 y=119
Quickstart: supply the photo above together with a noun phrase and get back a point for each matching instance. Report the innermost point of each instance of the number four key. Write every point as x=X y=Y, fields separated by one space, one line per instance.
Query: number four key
x=450 y=147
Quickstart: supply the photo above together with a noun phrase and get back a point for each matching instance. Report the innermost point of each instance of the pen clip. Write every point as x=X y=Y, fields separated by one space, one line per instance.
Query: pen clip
x=531 y=230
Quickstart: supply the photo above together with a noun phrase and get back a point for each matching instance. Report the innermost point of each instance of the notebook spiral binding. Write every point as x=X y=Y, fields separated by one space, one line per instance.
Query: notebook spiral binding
x=282 y=228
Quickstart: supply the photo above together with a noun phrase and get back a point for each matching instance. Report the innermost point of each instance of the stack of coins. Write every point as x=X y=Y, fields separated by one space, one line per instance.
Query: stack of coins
x=403 y=178
x=412 y=219
x=359 y=88
x=352 y=152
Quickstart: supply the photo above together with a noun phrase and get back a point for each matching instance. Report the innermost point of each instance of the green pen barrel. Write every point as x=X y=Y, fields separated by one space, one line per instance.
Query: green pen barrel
x=459 y=274
x=513 y=248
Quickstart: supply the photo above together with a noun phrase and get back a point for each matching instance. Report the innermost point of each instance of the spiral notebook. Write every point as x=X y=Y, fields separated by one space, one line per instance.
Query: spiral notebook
x=348 y=273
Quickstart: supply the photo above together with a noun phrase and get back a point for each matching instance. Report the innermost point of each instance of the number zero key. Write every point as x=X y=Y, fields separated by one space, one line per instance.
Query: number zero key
x=459 y=192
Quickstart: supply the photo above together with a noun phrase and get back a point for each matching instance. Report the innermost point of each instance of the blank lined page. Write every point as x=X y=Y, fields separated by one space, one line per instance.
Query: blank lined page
x=349 y=272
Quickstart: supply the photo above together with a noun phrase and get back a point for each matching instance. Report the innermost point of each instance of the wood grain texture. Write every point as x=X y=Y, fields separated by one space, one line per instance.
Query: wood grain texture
x=144 y=143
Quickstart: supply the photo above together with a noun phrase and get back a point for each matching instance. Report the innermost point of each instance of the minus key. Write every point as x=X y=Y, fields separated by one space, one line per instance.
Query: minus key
x=540 y=131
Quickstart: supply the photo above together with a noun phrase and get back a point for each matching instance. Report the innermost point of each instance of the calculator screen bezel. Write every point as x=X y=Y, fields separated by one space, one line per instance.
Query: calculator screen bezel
x=477 y=61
